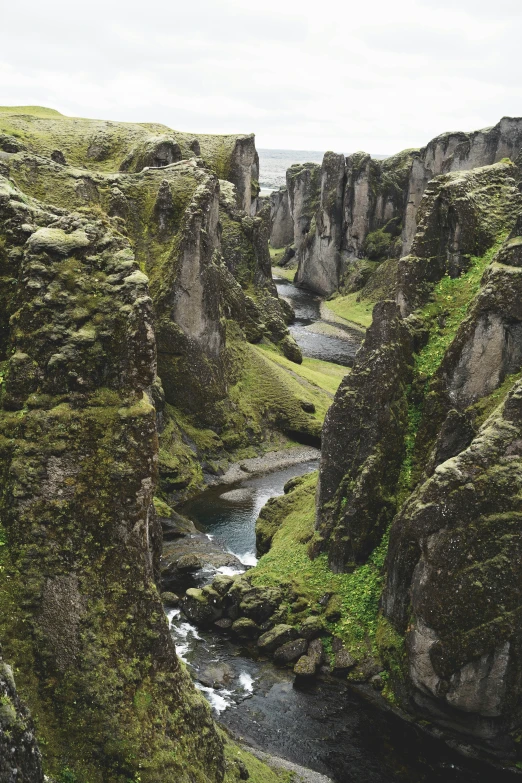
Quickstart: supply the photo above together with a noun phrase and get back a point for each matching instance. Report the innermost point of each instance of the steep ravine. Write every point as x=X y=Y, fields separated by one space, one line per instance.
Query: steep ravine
x=345 y=732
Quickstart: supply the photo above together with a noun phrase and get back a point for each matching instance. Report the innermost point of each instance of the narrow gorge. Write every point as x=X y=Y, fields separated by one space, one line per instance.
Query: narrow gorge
x=260 y=459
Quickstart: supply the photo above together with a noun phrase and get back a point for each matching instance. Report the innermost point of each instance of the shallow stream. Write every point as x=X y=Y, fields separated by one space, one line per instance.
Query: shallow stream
x=307 y=307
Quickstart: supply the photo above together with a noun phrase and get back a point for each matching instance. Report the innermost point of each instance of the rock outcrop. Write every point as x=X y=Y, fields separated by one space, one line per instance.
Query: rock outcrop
x=81 y=618
x=20 y=757
x=434 y=434
x=107 y=278
x=371 y=212
x=363 y=444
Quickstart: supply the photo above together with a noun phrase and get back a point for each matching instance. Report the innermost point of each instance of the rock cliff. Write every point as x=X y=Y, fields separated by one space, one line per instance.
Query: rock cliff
x=372 y=211
x=426 y=427
x=118 y=354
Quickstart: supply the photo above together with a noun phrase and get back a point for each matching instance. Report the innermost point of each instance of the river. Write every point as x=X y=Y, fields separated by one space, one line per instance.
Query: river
x=329 y=727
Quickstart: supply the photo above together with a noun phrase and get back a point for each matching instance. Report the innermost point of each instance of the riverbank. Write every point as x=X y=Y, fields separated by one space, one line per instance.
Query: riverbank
x=268 y=463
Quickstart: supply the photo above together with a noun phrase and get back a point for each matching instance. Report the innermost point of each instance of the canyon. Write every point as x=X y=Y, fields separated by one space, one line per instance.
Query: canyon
x=147 y=353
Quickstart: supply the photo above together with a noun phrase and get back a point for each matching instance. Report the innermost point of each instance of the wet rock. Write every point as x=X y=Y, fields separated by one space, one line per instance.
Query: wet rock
x=189 y=560
x=316 y=651
x=276 y=637
x=170 y=599
x=291 y=651
x=311 y=627
x=217 y=676
x=259 y=603
x=223 y=624
x=305 y=667
x=342 y=660
x=246 y=628
x=201 y=608
x=222 y=583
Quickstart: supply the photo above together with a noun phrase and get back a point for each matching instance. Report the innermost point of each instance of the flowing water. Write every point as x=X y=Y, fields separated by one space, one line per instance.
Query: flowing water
x=329 y=727
x=307 y=308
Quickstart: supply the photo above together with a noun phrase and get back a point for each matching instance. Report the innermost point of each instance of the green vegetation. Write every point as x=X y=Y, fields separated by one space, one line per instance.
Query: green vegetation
x=276 y=254
x=352 y=308
x=286 y=272
x=484 y=407
x=324 y=375
x=238 y=759
x=448 y=307
x=356 y=595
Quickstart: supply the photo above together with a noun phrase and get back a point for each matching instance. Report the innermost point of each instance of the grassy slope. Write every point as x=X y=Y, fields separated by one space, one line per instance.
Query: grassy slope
x=43 y=130
x=324 y=375
x=356 y=595
x=349 y=308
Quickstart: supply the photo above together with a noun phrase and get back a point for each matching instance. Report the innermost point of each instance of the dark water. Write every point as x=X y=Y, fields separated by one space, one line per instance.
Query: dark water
x=317 y=346
x=328 y=727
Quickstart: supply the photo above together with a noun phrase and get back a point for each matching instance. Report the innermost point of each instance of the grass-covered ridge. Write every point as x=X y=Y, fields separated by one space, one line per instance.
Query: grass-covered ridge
x=102 y=145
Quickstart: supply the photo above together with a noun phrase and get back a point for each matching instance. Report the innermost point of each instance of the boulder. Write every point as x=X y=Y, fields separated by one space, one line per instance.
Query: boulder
x=216 y=676
x=246 y=628
x=290 y=651
x=170 y=599
x=276 y=637
x=342 y=660
x=201 y=608
x=311 y=627
x=305 y=667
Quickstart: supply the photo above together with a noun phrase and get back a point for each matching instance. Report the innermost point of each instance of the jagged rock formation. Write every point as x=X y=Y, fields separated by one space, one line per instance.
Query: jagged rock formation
x=281 y=223
x=435 y=435
x=368 y=208
x=457 y=152
x=78 y=461
x=363 y=444
x=108 y=277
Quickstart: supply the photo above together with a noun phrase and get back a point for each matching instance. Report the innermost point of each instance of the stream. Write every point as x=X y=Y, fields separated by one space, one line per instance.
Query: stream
x=329 y=727
x=340 y=349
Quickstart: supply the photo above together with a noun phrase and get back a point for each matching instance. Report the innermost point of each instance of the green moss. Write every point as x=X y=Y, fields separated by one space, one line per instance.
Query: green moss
x=324 y=375
x=484 y=407
x=258 y=772
x=287 y=273
x=288 y=564
x=276 y=255
x=352 y=308
x=448 y=307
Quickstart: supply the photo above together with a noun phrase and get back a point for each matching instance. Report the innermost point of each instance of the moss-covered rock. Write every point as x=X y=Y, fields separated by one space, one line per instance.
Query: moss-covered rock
x=364 y=443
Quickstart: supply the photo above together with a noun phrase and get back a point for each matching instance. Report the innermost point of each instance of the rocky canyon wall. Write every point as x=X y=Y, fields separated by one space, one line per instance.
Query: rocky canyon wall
x=373 y=211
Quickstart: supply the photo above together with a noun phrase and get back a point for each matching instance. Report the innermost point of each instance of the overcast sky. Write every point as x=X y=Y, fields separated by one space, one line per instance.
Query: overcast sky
x=378 y=75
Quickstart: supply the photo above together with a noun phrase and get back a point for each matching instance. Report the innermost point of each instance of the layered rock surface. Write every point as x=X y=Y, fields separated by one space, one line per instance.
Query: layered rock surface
x=447 y=438
x=372 y=210
x=111 y=270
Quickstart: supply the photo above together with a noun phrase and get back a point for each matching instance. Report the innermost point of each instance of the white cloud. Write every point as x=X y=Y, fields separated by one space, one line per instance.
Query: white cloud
x=378 y=75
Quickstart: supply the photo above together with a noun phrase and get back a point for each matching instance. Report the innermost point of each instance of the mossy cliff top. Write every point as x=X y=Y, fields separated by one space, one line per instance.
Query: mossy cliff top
x=102 y=145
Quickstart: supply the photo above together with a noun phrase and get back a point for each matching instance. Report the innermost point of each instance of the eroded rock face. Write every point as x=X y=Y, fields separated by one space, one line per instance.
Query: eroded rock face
x=363 y=443
x=319 y=255
x=454 y=577
x=281 y=222
x=457 y=152
x=78 y=456
x=20 y=757
x=380 y=217
x=461 y=215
